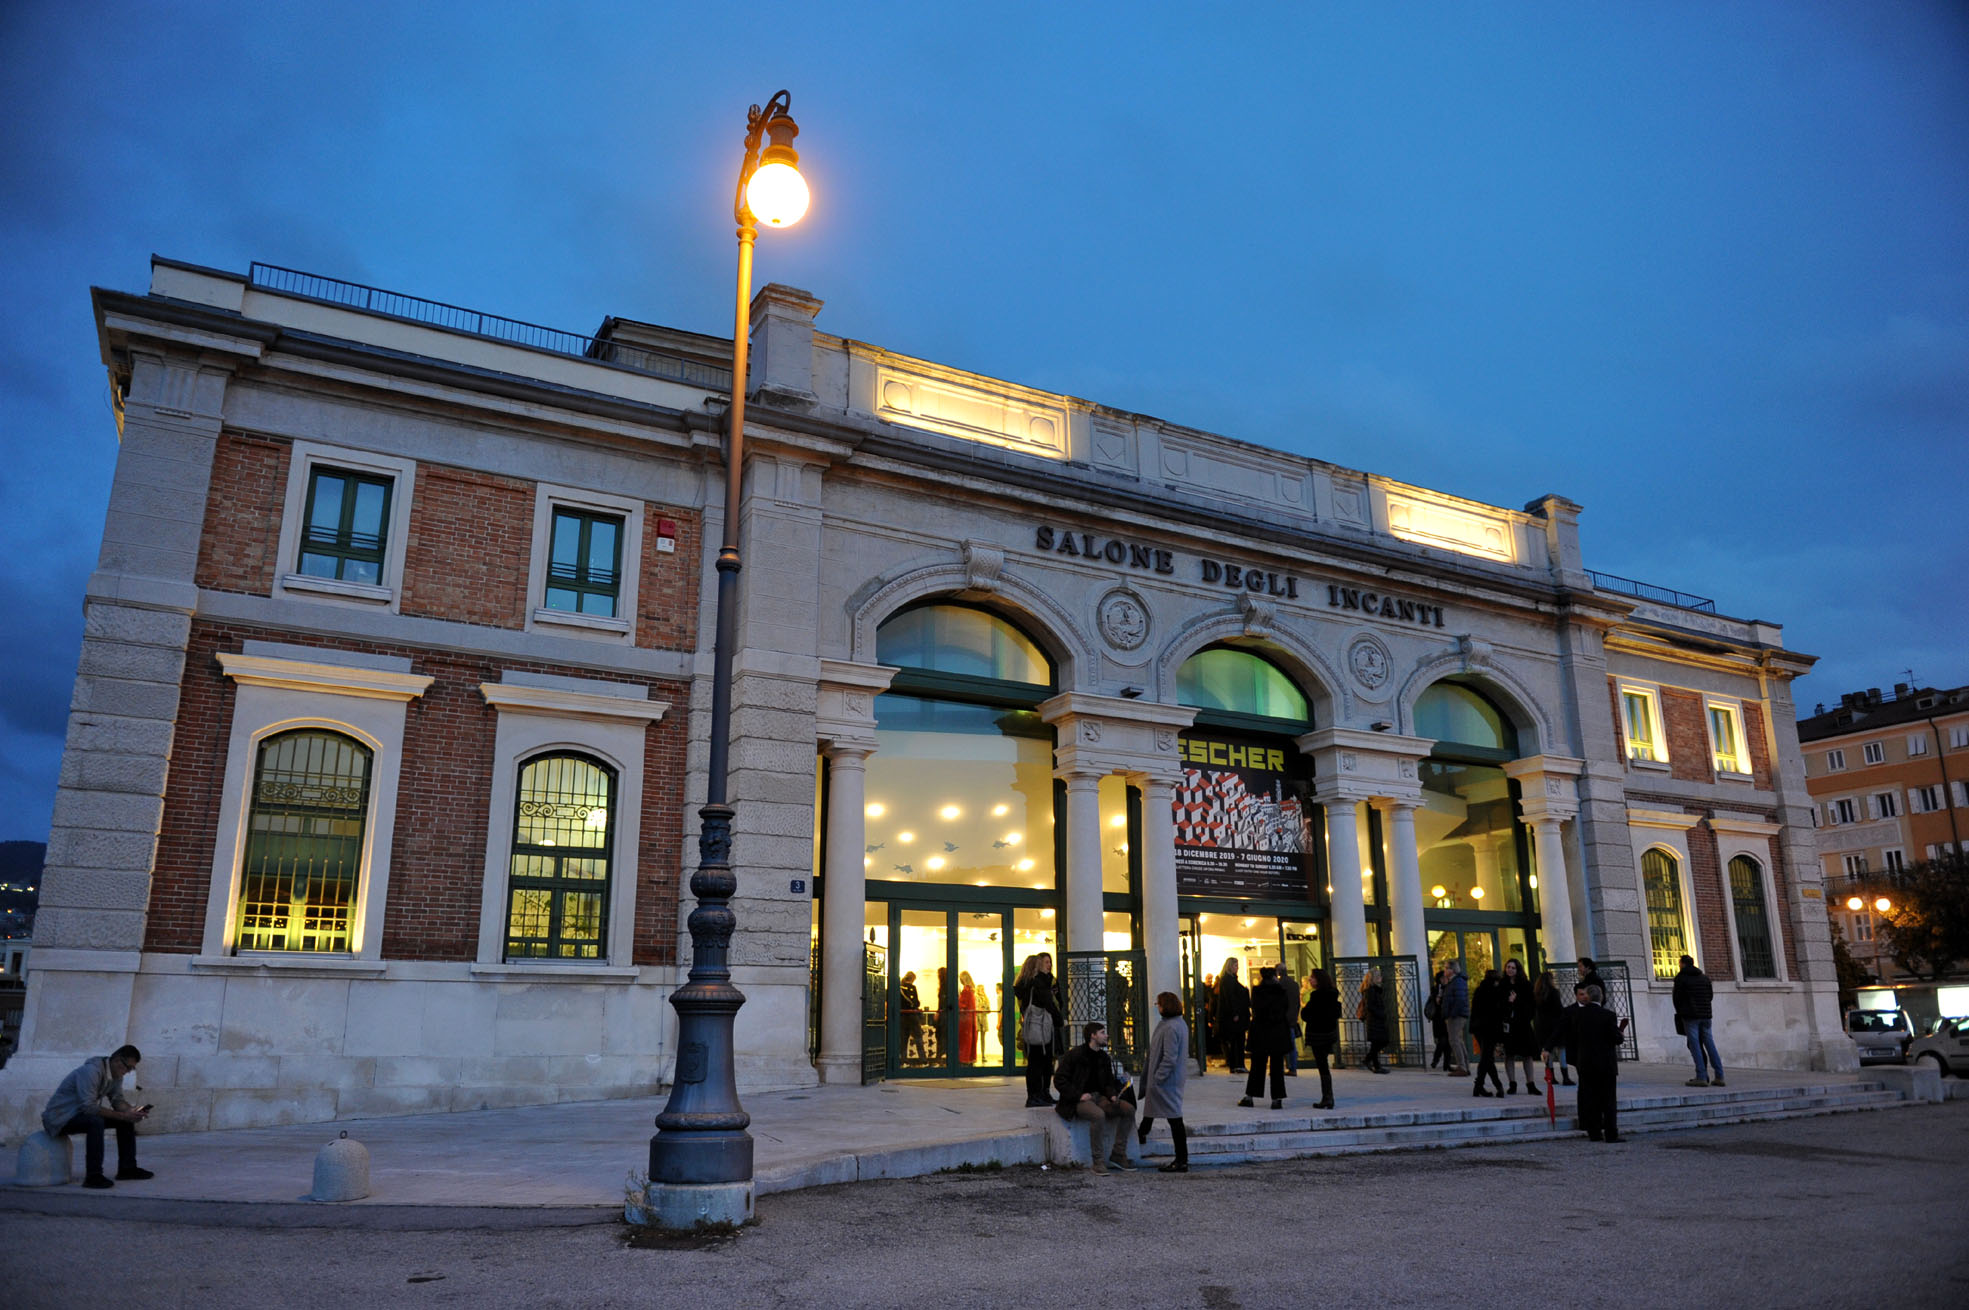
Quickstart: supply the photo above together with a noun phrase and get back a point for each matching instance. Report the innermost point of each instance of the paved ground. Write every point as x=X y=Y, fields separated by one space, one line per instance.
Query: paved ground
x=1848 y=1210
x=574 y=1157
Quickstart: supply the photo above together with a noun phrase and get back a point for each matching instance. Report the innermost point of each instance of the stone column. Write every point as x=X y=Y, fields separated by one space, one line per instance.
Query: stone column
x=842 y=914
x=1082 y=879
x=1160 y=938
x=1405 y=903
x=1343 y=852
x=1554 y=891
x=1548 y=796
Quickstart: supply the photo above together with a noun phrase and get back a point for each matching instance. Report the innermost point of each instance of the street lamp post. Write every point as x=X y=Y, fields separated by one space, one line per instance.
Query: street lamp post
x=700 y=1160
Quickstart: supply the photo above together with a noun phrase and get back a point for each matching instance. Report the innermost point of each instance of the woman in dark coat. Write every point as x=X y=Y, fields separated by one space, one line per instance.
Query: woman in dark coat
x=1488 y=1016
x=1034 y=992
x=1548 y=1021
x=1520 y=1032
x=1374 y=1007
x=1438 y=1025
x=1271 y=1035
x=1322 y=1016
x=1233 y=1016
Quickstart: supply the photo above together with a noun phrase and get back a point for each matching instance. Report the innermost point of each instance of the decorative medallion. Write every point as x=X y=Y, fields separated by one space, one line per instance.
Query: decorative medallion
x=1368 y=660
x=1123 y=618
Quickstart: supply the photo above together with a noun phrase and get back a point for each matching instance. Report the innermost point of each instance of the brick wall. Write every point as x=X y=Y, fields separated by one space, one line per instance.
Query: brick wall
x=1760 y=749
x=237 y=549
x=466 y=555
x=666 y=595
x=1712 y=908
x=1688 y=736
x=438 y=863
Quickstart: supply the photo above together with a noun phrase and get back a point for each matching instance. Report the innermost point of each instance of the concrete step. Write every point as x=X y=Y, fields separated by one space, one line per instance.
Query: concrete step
x=1339 y=1134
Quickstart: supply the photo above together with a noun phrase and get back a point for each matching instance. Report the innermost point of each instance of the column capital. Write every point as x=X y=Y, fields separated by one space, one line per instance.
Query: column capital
x=848 y=753
x=1114 y=734
x=1548 y=786
x=1352 y=765
x=844 y=711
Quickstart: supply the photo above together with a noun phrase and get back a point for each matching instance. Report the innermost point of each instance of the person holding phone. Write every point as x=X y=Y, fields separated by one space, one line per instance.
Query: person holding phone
x=77 y=1107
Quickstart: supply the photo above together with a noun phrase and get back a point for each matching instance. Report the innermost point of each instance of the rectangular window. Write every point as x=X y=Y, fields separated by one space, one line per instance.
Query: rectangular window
x=1726 y=739
x=1958 y=737
x=1893 y=860
x=1862 y=927
x=1917 y=743
x=1844 y=811
x=1961 y=790
x=1640 y=721
x=1888 y=804
x=1925 y=800
x=1854 y=865
x=1875 y=753
x=346 y=522
x=584 y=563
x=1835 y=761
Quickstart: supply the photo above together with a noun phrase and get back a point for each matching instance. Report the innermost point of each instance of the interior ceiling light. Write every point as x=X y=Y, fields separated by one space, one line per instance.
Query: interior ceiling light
x=875 y=810
x=949 y=812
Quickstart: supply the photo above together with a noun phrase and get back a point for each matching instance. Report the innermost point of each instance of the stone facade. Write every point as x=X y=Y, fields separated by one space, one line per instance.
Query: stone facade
x=1122 y=544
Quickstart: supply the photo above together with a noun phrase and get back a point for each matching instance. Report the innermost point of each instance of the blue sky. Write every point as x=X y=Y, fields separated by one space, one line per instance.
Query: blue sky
x=1702 y=268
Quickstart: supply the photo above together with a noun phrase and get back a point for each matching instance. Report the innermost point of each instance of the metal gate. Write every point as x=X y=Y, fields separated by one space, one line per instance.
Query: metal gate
x=874 y=1013
x=1108 y=986
x=1401 y=1000
x=1619 y=990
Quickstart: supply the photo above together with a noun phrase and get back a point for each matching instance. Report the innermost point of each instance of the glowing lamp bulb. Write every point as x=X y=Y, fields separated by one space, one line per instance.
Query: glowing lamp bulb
x=1855 y=903
x=1883 y=905
x=1439 y=891
x=1476 y=893
x=777 y=194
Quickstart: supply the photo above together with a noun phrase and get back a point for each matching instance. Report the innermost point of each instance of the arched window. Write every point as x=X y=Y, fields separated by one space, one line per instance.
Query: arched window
x=1661 y=874
x=1238 y=682
x=557 y=898
x=1753 y=918
x=960 y=788
x=304 y=842
x=1451 y=712
x=957 y=639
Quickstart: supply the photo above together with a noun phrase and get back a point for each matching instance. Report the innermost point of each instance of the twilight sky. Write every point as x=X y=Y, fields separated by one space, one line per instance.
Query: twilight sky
x=1702 y=268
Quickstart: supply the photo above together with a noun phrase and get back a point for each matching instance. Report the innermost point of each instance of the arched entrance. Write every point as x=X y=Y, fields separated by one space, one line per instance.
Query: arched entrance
x=1479 y=875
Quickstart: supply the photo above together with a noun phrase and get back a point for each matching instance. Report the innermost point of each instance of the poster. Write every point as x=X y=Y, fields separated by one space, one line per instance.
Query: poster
x=1242 y=819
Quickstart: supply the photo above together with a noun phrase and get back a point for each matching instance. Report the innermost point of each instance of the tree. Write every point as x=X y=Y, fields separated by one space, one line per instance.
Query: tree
x=1851 y=973
x=1927 y=926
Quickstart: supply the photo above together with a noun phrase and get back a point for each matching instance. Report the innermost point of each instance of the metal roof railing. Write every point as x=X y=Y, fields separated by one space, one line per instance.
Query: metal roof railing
x=1649 y=591
x=456 y=318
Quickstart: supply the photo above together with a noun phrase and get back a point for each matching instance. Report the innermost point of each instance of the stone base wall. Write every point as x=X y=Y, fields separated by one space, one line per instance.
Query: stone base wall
x=1755 y=1028
x=258 y=1050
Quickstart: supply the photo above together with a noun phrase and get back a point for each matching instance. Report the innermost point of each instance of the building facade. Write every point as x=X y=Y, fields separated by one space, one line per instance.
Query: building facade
x=388 y=733
x=1889 y=782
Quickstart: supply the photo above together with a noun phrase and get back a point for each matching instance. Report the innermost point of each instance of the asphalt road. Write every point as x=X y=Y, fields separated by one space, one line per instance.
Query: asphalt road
x=1842 y=1211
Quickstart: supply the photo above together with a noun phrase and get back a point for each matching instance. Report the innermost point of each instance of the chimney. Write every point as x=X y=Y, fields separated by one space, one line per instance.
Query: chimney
x=1873 y=695
x=1901 y=690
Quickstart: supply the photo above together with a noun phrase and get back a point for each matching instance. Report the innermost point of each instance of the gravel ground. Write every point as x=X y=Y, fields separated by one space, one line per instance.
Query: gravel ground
x=1847 y=1210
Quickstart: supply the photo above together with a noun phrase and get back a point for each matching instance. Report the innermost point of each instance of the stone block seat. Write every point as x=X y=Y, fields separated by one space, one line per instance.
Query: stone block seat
x=1070 y=1141
x=44 y=1161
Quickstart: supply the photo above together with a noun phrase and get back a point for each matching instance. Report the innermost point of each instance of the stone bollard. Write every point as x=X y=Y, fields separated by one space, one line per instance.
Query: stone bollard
x=44 y=1161
x=341 y=1171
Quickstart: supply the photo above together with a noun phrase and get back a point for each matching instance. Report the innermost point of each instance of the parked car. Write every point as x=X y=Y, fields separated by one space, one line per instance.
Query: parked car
x=1946 y=1046
x=1881 y=1035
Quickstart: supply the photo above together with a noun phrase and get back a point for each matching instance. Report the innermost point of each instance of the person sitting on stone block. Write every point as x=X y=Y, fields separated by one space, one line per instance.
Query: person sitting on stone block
x=76 y=1107
x=1089 y=1090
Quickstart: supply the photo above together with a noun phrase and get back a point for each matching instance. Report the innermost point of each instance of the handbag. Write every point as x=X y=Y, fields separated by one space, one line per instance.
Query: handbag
x=1433 y=1010
x=1360 y=1011
x=1036 y=1029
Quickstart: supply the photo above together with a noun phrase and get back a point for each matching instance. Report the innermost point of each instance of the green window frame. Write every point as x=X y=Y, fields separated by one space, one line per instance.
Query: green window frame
x=1753 y=918
x=304 y=843
x=346 y=525
x=558 y=888
x=1643 y=742
x=584 y=563
x=1661 y=875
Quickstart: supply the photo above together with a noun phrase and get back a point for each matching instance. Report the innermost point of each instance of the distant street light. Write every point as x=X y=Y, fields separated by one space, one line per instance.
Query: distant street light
x=1882 y=904
x=700 y=1160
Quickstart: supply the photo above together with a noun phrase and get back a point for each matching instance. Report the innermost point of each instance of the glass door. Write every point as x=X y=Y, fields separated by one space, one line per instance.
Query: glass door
x=1475 y=948
x=950 y=976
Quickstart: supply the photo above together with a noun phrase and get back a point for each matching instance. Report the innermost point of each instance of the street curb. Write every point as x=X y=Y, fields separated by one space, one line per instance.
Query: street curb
x=300 y=1214
x=1026 y=1147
